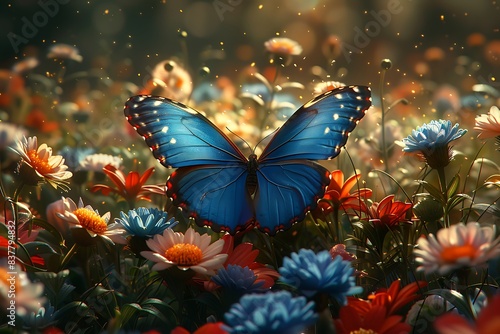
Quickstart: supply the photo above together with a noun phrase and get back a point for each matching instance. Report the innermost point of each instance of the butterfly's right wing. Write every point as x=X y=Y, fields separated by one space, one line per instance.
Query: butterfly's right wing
x=180 y=136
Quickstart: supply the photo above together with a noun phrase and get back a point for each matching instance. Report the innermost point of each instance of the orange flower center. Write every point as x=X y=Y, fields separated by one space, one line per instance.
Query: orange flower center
x=11 y=282
x=452 y=253
x=42 y=166
x=91 y=220
x=184 y=254
x=363 y=331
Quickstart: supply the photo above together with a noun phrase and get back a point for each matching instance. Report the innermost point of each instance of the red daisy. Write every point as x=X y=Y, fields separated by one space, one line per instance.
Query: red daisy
x=131 y=187
x=338 y=194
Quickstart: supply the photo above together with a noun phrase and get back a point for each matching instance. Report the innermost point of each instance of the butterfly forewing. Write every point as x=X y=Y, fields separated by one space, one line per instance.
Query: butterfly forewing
x=178 y=135
x=320 y=128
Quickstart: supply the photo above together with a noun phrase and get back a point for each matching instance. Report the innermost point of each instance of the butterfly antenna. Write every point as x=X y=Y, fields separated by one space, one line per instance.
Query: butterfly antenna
x=243 y=140
x=260 y=141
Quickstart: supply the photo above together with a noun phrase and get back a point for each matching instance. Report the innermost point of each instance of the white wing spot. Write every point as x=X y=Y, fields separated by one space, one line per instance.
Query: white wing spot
x=336 y=116
x=327 y=130
x=141 y=98
x=164 y=129
x=157 y=103
x=173 y=141
x=338 y=96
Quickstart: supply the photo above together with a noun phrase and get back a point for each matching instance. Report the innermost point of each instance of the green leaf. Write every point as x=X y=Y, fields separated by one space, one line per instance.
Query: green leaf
x=72 y=308
x=489 y=208
x=455 y=298
x=38 y=247
x=455 y=200
x=433 y=191
x=128 y=311
x=134 y=310
x=453 y=186
x=49 y=228
x=55 y=286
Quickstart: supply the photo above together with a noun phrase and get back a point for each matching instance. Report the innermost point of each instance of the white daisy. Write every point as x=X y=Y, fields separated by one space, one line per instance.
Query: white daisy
x=96 y=162
x=88 y=218
x=186 y=251
x=459 y=246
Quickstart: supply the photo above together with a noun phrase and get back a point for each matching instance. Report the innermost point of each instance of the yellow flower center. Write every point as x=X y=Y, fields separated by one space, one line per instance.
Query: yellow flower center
x=184 y=254
x=42 y=166
x=363 y=331
x=91 y=220
x=452 y=253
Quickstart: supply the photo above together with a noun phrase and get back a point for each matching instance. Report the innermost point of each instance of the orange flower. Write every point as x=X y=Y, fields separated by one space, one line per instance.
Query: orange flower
x=487 y=321
x=388 y=212
x=395 y=298
x=131 y=187
x=46 y=166
x=337 y=193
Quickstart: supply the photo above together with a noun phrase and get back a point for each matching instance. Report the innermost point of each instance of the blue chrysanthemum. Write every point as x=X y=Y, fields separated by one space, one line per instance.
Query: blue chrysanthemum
x=272 y=312
x=238 y=279
x=144 y=222
x=432 y=141
x=434 y=134
x=314 y=273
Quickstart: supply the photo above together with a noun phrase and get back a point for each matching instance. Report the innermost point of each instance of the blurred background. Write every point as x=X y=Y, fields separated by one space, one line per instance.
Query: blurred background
x=128 y=37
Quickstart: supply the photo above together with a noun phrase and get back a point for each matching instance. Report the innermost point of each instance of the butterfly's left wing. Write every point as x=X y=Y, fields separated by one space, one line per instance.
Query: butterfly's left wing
x=213 y=195
x=319 y=129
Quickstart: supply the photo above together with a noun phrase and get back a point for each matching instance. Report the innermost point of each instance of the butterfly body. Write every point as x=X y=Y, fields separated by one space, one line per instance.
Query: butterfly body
x=251 y=182
x=219 y=187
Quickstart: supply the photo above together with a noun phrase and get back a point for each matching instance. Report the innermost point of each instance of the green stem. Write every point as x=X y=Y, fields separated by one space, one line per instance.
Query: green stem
x=15 y=199
x=383 y=146
x=68 y=256
x=443 y=187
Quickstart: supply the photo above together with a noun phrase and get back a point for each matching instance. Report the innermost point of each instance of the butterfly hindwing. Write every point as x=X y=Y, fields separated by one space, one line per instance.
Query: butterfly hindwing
x=213 y=195
x=286 y=192
x=178 y=135
x=319 y=129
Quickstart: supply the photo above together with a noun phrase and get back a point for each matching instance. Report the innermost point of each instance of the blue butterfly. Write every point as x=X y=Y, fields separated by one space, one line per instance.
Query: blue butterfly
x=219 y=187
